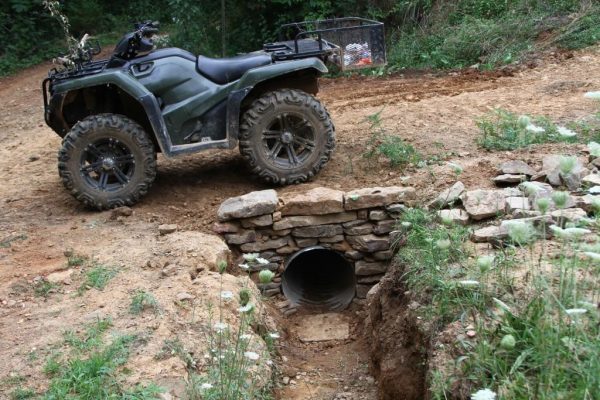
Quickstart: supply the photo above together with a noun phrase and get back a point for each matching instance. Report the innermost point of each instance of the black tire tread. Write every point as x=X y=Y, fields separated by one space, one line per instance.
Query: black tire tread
x=254 y=114
x=128 y=127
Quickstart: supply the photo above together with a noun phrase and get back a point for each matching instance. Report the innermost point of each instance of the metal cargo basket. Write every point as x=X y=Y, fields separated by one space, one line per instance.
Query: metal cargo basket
x=351 y=42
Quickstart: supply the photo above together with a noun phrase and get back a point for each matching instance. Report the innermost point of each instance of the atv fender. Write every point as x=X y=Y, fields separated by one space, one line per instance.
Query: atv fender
x=123 y=80
x=258 y=76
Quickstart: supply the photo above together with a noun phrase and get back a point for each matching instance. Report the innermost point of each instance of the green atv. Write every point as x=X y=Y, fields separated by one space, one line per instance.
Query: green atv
x=114 y=115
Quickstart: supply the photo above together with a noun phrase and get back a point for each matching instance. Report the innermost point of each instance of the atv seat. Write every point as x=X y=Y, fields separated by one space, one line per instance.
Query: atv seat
x=225 y=70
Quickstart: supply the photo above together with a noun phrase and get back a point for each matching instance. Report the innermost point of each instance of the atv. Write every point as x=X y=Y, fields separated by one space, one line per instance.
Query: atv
x=115 y=114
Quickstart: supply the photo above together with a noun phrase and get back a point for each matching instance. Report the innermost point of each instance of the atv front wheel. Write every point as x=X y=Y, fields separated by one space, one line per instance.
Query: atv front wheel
x=107 y=161
x=286 y=136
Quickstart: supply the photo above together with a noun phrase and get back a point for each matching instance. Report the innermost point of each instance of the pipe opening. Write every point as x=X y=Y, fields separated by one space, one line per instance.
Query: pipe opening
x=319 y=278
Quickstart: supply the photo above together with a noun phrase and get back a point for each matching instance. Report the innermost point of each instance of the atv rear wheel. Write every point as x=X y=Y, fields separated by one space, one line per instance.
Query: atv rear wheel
x=107 y=161
x=286 y=136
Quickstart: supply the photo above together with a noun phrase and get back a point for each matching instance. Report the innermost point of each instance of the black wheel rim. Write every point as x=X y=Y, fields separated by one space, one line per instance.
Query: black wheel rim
x=289 y=140
x=107 y=164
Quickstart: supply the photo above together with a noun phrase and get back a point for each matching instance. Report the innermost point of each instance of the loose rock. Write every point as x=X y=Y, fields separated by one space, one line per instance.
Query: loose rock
x=517 y=167
x=455 y=215
x=448 y=196
x=312 y=202
x=165 y=229
x=482 y=204
x=377 y=197
x=249 y=205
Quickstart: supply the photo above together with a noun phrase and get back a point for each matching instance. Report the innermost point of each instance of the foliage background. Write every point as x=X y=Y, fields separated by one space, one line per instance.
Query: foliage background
x=420 y=33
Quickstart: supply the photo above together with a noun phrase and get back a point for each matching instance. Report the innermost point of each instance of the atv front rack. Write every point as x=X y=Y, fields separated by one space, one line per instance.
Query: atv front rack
x=351 y=43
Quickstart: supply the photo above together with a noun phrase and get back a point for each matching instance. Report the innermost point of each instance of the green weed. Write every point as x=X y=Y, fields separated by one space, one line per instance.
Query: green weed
x=22 y=394
x=503 y=130
x=97 y=277
x=43 y=288
x=7 y=241
x=142 y=301
x=92 y=338
x=75 y=260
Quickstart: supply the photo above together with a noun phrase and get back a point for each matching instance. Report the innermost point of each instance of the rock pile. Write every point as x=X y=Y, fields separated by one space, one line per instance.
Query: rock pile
x=522 y=202
x=356 y=224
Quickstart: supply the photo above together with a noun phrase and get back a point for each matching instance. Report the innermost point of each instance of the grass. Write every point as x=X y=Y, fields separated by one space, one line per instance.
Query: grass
x=75 y=260
x=141 y=301
x=97 y=277
x=92 y=338
x=22 y=394
x=7 y=241
x=43 y=288
x=538 y=340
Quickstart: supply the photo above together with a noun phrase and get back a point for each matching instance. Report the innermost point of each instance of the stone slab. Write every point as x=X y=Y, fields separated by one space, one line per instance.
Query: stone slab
x=308 y=220
x=517 y=167
x=317 y=231
x=260 y=221
x=323 y=327
x=249 y=205
x=377 y=197
x=362 y=268
x=455 y=215
x=448 y=196
x=317 y=201
x=482 y=204
x=369 y=243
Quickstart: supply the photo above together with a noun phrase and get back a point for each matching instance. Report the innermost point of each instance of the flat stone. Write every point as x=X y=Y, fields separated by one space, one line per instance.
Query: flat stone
x=123 y=211
x=455 y=215
x=331 y=239
x=586 y=202
x=165 y=229
x=308 y=220
x=568 y=215
x=377 y=215
x=370 y=278
x=263 y=220
x=272 y=266
x=395 y=210
x=323 y=327
x=370 y=268
x=362 y=214
x=315 y=201
x=512 y=192
x=342 y=247
x=383 y=227
x=594 y=190
x=383 y=255
x=225 y=227
x=63 y=277
x=317 y=231
x=276 y=216
x=482 y=204
x=287 y=249
x=183 y=296
x=377 y=197
x=520 y=213
x=354 y=255
x=517 y=203
x=596 y=162
x=591 y=180
x=265 y=245
x=369 y=243
x=249 y=205
x=448 y=196
x=509 y=178
x=306 y=242
x=357 y=222
x=363 y=229
x=517 y=167
x=551 y=167
x=241 y=237
x=490 y=234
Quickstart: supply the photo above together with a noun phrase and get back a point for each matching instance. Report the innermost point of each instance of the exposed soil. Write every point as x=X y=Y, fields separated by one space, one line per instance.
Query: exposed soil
x=435 y=113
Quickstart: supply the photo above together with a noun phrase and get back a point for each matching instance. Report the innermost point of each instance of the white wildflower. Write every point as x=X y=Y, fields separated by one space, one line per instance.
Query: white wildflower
x=587 y=305
x=594 y=149
x=250 y=355
x=206 y=386
x=468 y=283
x=226 y=295
x=592 y=95
x=565 y=132
x=535 y=129
x=594 y=190
x=406 y=224
x=443 y=244
x=502 y=304
x=569 y=233
x=245 y=267
x=220 y=326
x=262 y=261
x=485 y=263
x=247 y=308
x=529 y=188
x=593 y=256
x=484 y=394
x=575 y=311
x=520 y=232
x=524 y=121
x=456 y=168
x=250 y=256
x=246 y=336
x=274 y=335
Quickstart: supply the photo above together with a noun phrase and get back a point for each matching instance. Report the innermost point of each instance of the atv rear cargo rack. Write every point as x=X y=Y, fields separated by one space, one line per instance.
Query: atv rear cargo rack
x=351 y=42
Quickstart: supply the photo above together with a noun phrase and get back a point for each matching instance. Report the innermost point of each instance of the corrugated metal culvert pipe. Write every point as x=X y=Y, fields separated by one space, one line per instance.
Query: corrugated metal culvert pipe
x=320 y=278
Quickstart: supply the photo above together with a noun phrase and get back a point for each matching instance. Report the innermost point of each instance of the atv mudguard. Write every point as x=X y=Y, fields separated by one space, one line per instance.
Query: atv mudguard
x=125 y=79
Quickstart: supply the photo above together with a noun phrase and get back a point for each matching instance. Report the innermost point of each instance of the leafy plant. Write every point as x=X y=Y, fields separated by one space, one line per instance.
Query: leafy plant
x=43 y=288
x=141 y=301
x=97 y=277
